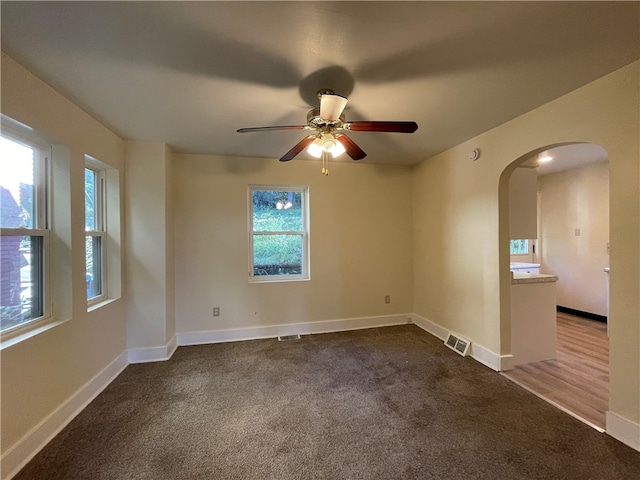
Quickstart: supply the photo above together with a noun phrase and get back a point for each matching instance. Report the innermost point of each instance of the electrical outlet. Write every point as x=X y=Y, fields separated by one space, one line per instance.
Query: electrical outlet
x=577 y=232
x=387 y=299
x=216 y=311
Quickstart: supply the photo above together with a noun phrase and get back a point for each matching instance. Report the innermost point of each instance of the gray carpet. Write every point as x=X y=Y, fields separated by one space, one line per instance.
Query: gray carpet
x=387 y=403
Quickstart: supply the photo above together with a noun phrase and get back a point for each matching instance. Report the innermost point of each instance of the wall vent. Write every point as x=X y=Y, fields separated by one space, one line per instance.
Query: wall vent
x=458 y=344
x=295 y=336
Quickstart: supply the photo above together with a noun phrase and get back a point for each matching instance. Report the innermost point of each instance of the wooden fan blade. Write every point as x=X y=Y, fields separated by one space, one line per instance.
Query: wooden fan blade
x=279 y=127
x=399 y=127
x=300 y=146
x=331 y=106
x=353 y=150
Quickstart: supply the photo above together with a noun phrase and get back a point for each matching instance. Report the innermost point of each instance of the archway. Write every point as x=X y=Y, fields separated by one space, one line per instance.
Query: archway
x=576 y=379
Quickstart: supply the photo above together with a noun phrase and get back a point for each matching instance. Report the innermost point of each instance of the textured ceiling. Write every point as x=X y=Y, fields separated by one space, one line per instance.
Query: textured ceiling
x=191 y=73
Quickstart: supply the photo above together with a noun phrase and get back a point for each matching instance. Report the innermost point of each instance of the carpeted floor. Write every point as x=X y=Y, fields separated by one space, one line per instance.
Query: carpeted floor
x=387 y=403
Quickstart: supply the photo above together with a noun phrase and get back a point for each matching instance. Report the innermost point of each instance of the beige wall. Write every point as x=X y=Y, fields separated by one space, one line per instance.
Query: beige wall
x=461 y=231
x=149 y=214
x=41 y=373
x=360 y=234
x=576 y=198
x=455 y=242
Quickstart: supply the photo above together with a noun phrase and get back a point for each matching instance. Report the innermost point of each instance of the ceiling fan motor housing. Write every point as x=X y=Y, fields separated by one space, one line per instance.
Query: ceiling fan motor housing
x=324 y=91
x=316 y=121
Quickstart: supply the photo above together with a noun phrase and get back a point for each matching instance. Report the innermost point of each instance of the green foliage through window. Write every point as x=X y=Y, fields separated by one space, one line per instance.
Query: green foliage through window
x=278 y=232
x=519 y=247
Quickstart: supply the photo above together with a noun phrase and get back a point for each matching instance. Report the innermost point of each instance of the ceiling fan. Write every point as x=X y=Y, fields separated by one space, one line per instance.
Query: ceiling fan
x=327 y=123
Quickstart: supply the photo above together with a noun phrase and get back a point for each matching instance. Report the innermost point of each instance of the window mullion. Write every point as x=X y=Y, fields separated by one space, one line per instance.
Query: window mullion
x=42 y=179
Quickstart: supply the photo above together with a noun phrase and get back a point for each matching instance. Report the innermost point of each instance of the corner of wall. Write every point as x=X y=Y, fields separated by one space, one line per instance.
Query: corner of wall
x=478 y=352
x=623 y=430
x=152 y=354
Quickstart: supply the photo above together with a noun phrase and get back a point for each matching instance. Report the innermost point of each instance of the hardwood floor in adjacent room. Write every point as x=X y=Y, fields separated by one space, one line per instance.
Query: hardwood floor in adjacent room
x=578 y=379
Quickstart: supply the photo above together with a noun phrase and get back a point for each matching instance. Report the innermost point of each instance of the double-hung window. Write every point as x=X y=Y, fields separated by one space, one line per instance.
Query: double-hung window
x=24 y=227
x=278 y=233
x=95 y=232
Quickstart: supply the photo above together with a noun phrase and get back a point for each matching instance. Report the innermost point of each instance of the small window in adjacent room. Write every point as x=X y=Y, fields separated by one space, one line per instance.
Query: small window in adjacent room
x=519 y=247
x=95 y=232
x=278 y=233
x=24 y=225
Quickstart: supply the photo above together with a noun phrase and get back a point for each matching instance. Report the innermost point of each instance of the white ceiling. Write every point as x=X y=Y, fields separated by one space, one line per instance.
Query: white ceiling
x=191 y=73
x=565 y=157
x=571 y=156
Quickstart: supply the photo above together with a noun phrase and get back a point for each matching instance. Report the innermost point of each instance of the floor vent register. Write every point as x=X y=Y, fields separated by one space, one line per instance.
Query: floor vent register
x=458 y=344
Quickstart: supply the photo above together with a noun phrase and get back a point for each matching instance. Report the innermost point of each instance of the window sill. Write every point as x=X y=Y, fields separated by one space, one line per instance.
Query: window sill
x=19 y=335
x=278 y=280
x=100 y=304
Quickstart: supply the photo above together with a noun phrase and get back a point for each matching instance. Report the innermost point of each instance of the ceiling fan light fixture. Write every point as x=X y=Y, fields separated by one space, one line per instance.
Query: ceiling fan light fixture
x=337 y=149
x=331 y=106
x=315 y=149
x=326 y=142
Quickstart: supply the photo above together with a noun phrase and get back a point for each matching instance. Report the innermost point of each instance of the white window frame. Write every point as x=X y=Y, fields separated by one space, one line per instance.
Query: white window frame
x=100 y=227
x=304 y=195
x=41 y=222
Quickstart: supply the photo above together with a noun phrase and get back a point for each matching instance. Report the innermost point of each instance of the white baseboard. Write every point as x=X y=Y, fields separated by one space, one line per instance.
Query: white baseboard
x=153 y=354
x=430 y=327
x=485 y=356
x=28 y=446
x=477 y=352
x=272 y=331
x=506 y=362
x=624 y=430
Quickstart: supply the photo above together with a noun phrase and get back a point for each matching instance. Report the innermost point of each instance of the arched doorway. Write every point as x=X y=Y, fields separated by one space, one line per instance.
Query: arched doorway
x=568 y=366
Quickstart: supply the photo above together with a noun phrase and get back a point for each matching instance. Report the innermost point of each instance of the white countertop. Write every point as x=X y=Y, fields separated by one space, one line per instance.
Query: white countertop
x=519 y=265
x=522 y=277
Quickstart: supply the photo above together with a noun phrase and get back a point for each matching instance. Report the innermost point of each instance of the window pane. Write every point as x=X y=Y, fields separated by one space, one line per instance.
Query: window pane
x=277 y=255
x=90 y=199
x=17 y=184
x=21 y=285
x=94 y=266
x=519 y=247
x=275 y=211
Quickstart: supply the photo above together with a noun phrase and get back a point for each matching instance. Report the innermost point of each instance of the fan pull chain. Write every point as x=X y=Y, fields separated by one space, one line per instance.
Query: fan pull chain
x=325 y=169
